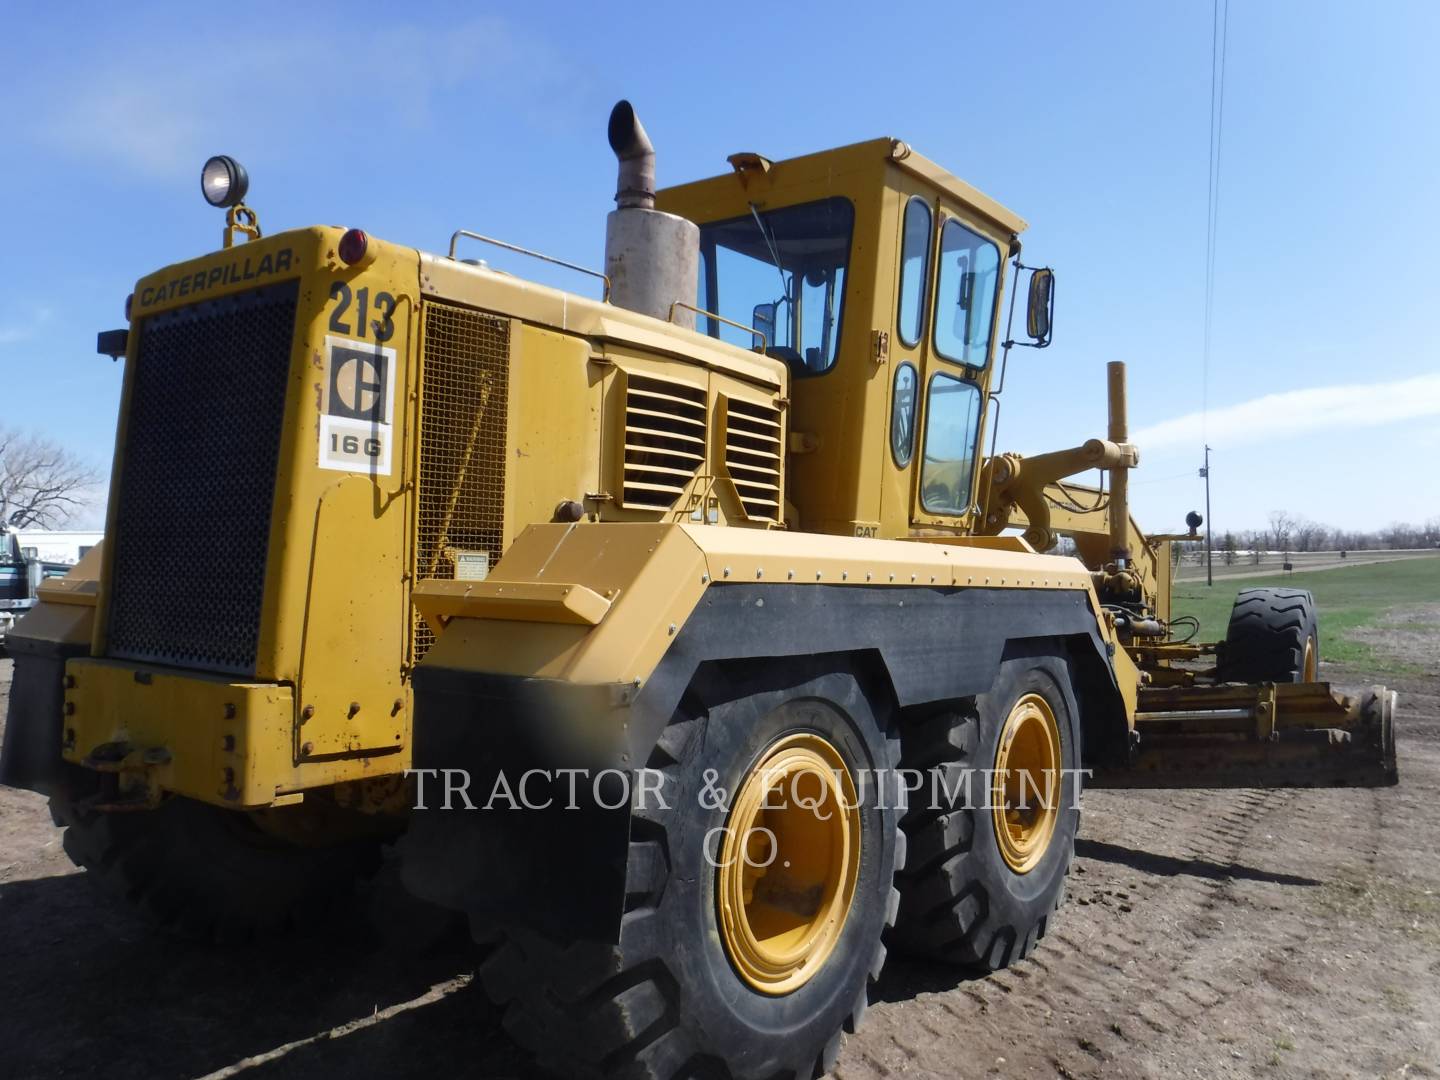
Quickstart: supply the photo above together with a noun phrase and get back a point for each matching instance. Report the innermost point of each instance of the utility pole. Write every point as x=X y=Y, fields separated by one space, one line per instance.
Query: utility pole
x=1209 y=527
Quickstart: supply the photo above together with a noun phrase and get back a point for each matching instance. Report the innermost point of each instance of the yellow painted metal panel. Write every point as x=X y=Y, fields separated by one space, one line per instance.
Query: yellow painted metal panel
x=754 y=555
x=557 y=433
x=655 y=575
x=652 y=574
x=600 y=322
x=80 y=586
x=302 y=483
x=954 y=188
x=542 y=601
x=354 y=628
x=63 y=623
x=224 y=742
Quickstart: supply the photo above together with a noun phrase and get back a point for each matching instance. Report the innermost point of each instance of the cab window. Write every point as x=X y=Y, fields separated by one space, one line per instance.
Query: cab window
x=782 y=272
x=902 y=415
x=965 y=295
x=914 y=270
x=952 y=417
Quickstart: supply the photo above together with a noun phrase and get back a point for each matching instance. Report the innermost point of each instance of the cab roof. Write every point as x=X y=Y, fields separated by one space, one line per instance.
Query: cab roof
x=863 y=156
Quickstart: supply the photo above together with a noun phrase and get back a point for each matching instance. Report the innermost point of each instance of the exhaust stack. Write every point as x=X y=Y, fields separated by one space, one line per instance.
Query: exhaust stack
x=652 y=258
x=637 y=159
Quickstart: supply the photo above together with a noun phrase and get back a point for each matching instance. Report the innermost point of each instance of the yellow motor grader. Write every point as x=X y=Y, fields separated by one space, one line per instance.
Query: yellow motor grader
x=684 y=635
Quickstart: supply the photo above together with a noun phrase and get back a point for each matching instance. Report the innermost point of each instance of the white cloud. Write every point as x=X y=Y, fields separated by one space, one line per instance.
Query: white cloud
x=136 y=123
x=1297 y=412
x=158 y=115
x=13 y=332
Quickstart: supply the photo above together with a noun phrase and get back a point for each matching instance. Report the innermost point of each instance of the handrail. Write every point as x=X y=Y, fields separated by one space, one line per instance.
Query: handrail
x=728 y=322
x=455 y=240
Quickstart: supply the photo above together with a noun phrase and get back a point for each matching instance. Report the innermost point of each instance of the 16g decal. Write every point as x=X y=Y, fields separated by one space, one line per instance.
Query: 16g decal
x=357 y=406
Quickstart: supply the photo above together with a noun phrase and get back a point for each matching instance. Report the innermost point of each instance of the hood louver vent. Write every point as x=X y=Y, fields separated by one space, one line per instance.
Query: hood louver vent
x=752 y=457
x=664 y=440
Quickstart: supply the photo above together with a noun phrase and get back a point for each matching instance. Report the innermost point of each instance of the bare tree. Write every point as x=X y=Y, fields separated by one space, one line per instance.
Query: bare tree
x=1294 y=533
x=1309 y=535
x=1255 y=543
x=1281 y=525
x=41 y=483
x=1401 y=534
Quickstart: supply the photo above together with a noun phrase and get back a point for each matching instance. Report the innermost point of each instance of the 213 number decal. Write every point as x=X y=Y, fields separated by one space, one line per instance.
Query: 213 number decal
x=384 y=327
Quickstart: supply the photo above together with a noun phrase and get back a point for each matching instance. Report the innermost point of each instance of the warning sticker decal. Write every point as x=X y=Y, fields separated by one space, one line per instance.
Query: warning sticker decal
x=357 y=407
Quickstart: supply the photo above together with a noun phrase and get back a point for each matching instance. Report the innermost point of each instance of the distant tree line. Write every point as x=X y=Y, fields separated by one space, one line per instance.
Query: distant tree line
x=1293 y=533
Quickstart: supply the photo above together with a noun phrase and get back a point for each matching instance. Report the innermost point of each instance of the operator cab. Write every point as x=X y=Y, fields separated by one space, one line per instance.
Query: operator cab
x=877 y=277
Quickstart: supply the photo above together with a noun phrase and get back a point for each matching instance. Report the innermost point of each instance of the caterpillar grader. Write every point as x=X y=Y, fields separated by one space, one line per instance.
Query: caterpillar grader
x=685 y=631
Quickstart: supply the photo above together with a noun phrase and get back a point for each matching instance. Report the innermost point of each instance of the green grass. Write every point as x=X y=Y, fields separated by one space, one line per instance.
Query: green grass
x=1349 y=598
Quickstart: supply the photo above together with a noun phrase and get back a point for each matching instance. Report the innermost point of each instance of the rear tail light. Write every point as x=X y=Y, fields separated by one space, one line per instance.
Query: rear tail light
x=353 y=246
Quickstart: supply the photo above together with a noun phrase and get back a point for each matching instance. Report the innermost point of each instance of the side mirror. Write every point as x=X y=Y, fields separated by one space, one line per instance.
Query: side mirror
x=1040 y=312
x=762 y=318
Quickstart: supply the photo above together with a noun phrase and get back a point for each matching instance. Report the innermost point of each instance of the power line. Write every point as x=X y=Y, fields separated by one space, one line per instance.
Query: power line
x=1219 y=40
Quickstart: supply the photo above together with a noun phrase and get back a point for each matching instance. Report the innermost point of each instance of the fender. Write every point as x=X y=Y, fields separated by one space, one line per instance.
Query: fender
x=577 y=650
x=57 y=628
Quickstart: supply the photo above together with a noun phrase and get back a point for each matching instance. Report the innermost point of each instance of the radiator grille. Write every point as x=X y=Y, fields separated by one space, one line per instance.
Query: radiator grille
x=664 y=440
x=752 y=457
x=198 y=480
x=461 y=494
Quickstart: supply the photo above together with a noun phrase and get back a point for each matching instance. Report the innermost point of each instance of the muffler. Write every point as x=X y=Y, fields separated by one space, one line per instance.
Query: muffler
x=652 y=258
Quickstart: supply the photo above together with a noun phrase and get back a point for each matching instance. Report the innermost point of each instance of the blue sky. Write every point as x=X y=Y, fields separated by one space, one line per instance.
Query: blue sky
x=1090 y=120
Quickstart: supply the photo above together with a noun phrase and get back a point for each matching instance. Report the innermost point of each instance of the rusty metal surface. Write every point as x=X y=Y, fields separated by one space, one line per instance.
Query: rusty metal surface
x=1271 y=735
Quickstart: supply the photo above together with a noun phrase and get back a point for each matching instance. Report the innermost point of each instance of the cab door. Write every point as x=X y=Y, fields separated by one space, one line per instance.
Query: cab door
x=964 y=269
x=912 y=214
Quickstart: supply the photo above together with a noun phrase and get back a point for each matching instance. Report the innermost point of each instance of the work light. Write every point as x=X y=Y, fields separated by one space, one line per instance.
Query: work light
x=223 y=181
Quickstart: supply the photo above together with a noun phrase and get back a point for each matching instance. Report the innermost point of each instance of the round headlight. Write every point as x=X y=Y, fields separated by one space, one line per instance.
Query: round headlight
x=223 y=181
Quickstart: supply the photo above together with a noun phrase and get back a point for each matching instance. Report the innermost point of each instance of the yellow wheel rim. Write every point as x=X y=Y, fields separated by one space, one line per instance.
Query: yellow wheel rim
x=1025 y=791
x=1308 y=674
x=788 y=863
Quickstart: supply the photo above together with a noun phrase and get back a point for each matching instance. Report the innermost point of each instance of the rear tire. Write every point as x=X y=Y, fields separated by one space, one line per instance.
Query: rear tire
x=210 y=874
x=670 y=999
x=961 y=899
x=1273 y=636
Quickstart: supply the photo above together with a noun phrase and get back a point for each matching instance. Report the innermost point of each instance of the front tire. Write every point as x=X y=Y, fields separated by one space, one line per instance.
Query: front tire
x=703 y=980
x=982 y=883
x=1273 y=636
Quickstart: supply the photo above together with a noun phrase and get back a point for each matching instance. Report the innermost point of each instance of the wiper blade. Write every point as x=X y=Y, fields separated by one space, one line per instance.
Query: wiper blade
x=774 y=252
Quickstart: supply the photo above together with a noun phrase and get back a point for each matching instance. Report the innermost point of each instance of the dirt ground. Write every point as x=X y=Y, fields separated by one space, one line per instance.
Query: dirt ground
x=1210 y=934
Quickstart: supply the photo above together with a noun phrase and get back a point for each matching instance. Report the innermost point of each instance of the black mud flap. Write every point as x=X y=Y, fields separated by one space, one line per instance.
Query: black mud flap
x=522 y=809
x=30 y=757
